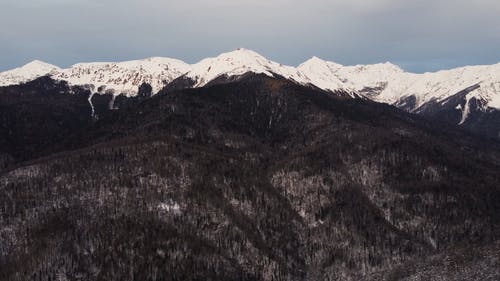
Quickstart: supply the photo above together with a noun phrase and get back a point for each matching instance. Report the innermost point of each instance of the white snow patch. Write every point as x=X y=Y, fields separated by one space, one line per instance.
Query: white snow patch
x=91 y=105
x=170 y=207
x=160 y=253
x=466 y=110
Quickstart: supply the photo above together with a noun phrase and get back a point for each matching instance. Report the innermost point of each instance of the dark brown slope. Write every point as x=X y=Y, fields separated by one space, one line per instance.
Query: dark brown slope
x=255 y=180
x=38 y=114
x=35 y=117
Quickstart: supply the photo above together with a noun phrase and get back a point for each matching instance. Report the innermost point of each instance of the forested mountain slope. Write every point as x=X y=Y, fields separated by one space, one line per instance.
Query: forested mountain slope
x=255 y=179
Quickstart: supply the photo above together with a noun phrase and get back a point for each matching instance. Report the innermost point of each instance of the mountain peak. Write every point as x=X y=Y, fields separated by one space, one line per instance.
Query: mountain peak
x=164 y=60
x=243 y=55
x=244 y=50
x=390 y=66
x=27 y=72
x=318 y=62
x=39 y=63
x=316 y=59
x=238 y=62
x=38 y=66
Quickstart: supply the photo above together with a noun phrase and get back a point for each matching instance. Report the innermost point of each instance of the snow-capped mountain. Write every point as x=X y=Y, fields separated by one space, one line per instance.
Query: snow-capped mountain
x=26 y=73
x=388 y=83
x=385 y=82
x=124 y=77
x=467 y=96
x=239 y=62
x=363 y=79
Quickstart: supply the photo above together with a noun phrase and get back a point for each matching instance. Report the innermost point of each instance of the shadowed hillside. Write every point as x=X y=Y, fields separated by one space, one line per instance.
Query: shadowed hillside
x=257 y=179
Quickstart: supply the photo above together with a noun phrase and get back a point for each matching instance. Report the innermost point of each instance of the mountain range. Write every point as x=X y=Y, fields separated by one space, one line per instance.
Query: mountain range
x=467 y=96
x=239 y=168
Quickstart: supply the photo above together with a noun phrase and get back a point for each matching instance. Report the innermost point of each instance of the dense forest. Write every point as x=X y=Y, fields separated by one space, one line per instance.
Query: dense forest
x=250 y=178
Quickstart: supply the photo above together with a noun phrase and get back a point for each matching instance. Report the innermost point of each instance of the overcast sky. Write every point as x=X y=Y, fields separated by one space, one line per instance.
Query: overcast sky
x=418 y=35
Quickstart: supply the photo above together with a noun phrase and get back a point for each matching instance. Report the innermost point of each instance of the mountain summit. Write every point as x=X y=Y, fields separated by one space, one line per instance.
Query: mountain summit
x=239 y=62
x=26 y=73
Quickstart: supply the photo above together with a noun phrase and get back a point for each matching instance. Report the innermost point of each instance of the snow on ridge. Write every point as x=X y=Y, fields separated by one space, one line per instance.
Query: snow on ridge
x=26 y=73
x=389 y=83
x=124 y=77
x=383 y=82
x=239 y=62
x=322 y=73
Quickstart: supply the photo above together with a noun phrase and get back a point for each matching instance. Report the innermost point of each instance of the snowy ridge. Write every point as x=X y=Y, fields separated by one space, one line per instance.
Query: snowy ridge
x=388 y=83
x=124 y=77
x=383 y=82
x=26 y=73
x=322 y=73
x=440 y=85
x=240 y=62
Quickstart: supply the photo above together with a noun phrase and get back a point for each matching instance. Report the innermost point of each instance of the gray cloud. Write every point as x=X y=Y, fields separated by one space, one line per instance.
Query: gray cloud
x=419 y=35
